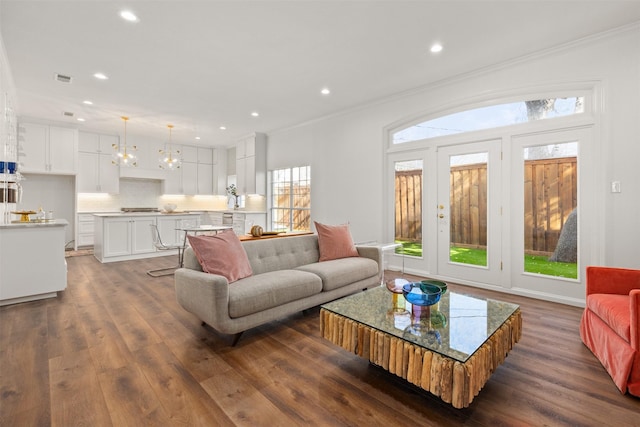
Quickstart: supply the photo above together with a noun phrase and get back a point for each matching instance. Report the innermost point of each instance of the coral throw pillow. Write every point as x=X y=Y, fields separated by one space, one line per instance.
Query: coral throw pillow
x=222 y=254
x=334 y=242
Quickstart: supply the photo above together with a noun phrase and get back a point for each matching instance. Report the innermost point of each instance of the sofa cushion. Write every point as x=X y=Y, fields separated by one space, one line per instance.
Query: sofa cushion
x=222 y=254
x=342 y=272
x=334 y=242
x=614 y=311
x=283 y=253
x=263 y=291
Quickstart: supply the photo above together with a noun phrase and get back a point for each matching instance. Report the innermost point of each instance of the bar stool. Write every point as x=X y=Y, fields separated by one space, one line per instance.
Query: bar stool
x=157 y=242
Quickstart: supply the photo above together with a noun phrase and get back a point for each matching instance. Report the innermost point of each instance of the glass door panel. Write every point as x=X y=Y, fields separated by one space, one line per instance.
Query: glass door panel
x=468 y=208
x=469 y=226
x=550 y=209
x=408 y=206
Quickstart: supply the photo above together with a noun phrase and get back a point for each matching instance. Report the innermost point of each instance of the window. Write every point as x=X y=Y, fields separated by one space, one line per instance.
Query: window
x=291 y=199
x=491 y=117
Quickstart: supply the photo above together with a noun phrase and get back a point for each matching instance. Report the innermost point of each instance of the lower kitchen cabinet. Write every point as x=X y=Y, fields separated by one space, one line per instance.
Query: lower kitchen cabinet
x=169 y=227
x=84 y=230
x=120 y=237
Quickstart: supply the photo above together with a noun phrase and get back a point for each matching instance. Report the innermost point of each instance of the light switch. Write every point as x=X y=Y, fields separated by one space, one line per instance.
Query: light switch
x=615 y=187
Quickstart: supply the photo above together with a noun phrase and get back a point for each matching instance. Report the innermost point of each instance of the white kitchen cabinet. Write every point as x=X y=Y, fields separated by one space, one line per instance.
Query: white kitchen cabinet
x=242 y=222
x=205 y=155
x=205 y=171
x=251 y=164
x=32 y=261
x=49 y=149
x=90 y=142
x=189 y=153
x=205 y=179
x=96 y=171
x=120 y=237
x=123 y=237
x=172 y=183
x=97 y=174
x=220 y=171
x=196 y=174
x=211 y=218
x=169 y=226
x=189 y=178
x=84 y=230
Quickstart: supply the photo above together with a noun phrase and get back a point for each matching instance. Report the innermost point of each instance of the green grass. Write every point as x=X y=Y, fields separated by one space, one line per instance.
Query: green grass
x=468 y=256
x=532 y=264
x=409 y=248
x=540 y=265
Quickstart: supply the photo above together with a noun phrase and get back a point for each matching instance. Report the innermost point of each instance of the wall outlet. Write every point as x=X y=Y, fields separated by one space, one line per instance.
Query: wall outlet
x=615 y=187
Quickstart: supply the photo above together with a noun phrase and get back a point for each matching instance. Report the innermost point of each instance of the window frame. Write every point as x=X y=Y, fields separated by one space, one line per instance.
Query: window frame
x=273 y=208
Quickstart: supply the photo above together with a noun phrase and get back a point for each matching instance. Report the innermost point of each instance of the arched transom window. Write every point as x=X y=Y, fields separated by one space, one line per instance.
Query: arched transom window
x=493 y=116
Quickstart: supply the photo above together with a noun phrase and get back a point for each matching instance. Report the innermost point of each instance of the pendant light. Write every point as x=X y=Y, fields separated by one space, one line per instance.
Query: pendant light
x=170 y=159
x=125 y=156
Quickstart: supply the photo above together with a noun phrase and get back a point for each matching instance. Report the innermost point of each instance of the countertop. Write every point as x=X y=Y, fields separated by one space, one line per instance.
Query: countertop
x=116 y=214
x=34 y=224
x=187 y=212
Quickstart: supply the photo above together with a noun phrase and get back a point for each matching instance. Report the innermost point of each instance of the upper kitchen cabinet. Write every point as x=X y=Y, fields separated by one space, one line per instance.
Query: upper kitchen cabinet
x=251 y=164
x=96 y=171
x=220 y=171
x=196 y=174
x=49 y=149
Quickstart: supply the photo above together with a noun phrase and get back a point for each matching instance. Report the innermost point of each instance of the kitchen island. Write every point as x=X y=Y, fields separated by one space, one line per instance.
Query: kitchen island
x=32 y=262
x=126 y=236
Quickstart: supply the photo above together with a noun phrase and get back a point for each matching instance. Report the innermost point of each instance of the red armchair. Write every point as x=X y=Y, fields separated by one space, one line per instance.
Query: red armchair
x=610 y=325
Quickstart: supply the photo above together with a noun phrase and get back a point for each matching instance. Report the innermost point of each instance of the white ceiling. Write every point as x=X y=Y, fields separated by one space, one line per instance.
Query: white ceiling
x=203 y=64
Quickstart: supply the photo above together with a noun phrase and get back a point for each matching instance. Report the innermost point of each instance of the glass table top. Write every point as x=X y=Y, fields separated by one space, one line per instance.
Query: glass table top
x=455 y=327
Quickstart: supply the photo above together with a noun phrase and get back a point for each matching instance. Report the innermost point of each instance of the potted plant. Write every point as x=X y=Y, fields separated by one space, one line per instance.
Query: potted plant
x=232 y=190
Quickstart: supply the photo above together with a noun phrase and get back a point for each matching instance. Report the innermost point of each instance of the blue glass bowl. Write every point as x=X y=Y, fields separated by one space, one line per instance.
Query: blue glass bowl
x=419 y=293
x=441 y=285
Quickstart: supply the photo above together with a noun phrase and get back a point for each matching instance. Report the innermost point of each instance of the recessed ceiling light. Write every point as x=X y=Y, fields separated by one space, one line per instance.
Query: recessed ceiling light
x=87 y=102
x=436 y=47
x=223 y=128
x=127 y=15
x=255 y=114
x=100 y=76
x=80 y=119
x=197 y=137
x=325 y=91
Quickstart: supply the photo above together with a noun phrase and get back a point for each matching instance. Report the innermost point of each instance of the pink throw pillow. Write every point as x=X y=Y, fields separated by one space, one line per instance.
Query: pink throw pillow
x=222 y=254
x=334 y=242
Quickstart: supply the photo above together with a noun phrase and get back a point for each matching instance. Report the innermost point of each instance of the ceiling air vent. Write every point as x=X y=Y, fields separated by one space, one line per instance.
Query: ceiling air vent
x=67 y=114
x=62 y=78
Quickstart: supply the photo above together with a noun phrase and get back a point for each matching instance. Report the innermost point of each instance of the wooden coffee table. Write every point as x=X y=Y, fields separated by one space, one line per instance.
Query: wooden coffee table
x=449 y=350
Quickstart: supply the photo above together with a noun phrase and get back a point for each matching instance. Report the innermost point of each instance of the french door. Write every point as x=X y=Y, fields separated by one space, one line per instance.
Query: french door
x=469 y=203
x=554 y=222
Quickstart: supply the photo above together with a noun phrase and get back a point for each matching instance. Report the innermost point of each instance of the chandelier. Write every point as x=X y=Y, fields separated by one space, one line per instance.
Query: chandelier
x=170 y=159
x=125 y=156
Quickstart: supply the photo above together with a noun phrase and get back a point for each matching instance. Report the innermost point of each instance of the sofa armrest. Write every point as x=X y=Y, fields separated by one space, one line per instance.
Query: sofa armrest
x=634 y=307
x=611 y=280
x=372 y=252
x=203 y=294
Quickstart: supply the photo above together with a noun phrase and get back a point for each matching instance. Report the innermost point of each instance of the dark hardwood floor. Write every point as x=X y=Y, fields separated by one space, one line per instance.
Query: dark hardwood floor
x=115 y=349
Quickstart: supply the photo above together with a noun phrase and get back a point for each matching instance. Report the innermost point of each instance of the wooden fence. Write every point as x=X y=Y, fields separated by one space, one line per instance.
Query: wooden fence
x=300 y=208
x=550 y=194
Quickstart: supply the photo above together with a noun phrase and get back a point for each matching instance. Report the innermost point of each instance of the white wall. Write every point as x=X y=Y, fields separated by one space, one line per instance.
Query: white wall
x=51 y=193
x=346 y=151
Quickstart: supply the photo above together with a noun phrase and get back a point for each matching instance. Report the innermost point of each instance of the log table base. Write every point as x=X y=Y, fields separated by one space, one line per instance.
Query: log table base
x=453 y=381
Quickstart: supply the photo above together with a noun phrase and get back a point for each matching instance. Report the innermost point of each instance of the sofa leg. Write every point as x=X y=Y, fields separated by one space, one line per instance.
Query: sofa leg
x=236 y=338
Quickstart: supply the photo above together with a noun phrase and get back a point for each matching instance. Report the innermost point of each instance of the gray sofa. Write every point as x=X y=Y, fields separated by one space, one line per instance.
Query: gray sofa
x=287 y=278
